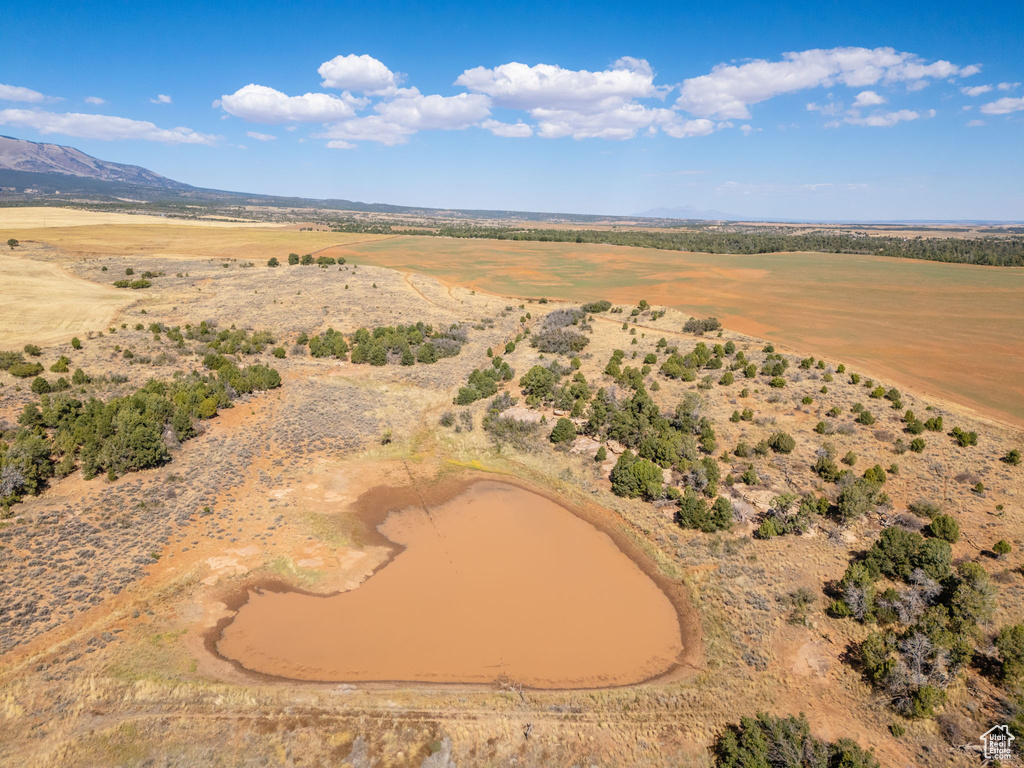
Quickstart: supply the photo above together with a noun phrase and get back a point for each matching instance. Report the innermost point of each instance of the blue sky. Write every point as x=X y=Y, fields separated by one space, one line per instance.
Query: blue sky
x=804 y=110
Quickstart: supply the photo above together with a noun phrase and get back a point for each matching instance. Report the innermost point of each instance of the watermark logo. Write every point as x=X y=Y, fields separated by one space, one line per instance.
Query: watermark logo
x=996 y=743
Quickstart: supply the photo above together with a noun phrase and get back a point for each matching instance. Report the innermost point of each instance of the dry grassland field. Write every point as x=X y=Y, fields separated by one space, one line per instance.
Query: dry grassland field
x=953 y=331
x=337 y=565
x=44 y=303
x=45 y=217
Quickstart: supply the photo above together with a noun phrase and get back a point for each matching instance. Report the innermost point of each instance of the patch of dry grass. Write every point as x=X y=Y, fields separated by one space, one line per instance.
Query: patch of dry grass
x=42 y=303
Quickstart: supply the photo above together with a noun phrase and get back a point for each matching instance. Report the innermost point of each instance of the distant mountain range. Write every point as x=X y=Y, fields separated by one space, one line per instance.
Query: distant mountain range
x=33 y=157
x=37 y=171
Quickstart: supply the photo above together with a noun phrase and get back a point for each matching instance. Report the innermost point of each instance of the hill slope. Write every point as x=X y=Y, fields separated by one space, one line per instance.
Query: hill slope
x=35 y=157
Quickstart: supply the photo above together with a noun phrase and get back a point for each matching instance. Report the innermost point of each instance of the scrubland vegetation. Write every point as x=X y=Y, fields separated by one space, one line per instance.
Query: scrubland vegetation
x=851 y=548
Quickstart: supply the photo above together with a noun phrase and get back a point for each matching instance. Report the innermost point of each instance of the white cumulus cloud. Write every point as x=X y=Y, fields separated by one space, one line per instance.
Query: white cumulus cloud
x=418 y=112
x=975 y=123
x=400 y=118
x=103 y=127
x=262 y=104
x=976 y=90
x=161 y=98
x=94 y=100
x=517 y=130
x=361 y=73
x=547 y=86
x=582 y=104
x=619 y=102
x=17 y=93
x=1007 y=86
x=619 y=122
x=683 y=129
x=260 y=136
x=1003 y=106
x=371 y=128
x=729 y=90
x=868 y=99
x=888 y=119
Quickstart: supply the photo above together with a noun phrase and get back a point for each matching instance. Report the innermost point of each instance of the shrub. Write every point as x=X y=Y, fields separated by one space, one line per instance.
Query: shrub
x=33 y=350
x=875 y=474
x=632 y=477
x=700 y=327
x=963 y=439
x=482 y=383
x=894 y=554
x=538 y=384
x=279 y=353
x=856 y=500
x=1012 y=458
x=76 y=343
x=944 y=527
x=850 y=459
x=768 y=529
x=782 y=442
x=24 y=370
x=564 y=432
x=597 y=306
x=601 y=455
x=784 y=742
x=1010 y=644
x=865 y=417
x=695 y=513
x=917 y=445
x=559 y=341
x=1002 y=548
x=273 y=262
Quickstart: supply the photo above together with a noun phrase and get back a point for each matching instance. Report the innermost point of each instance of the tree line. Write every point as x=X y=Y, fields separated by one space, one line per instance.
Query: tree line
x=987 y=251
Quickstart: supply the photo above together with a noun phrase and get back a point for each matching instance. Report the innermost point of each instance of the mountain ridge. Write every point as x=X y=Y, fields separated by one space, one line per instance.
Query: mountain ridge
x=39 y=157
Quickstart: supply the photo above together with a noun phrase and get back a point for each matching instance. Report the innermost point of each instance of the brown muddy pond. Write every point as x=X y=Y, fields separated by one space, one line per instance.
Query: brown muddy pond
x=495 y=582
